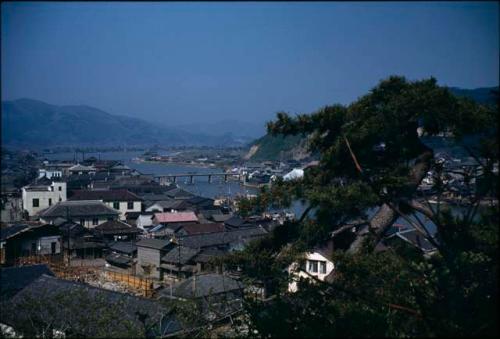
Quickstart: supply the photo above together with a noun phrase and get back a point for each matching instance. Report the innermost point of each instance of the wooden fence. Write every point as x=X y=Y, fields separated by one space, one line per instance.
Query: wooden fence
x=137 y=283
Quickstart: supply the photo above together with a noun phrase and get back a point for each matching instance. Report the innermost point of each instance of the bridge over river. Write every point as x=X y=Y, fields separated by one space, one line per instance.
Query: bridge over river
x=168 y=178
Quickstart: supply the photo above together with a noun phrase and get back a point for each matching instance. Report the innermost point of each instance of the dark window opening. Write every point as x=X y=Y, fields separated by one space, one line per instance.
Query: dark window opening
x=36 y=202
x=53 y=247
x=130 y=205
x=50 y=202
x=116 y=205
x=95 y=221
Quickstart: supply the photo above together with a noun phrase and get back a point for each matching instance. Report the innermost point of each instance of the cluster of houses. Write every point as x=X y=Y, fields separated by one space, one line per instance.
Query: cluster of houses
x=106 y=212
x=458 y=174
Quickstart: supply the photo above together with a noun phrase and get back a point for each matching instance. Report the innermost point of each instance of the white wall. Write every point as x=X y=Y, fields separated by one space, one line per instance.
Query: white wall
x=43 y=245
x=49 y=173
x=297 y=273
x=55 y=192
x=124 y=209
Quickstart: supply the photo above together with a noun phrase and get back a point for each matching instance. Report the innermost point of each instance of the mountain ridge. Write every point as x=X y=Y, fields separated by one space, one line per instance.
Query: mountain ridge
x=28 y=122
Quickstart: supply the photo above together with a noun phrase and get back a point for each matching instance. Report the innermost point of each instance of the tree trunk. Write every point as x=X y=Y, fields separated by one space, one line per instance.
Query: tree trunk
x=386 y=216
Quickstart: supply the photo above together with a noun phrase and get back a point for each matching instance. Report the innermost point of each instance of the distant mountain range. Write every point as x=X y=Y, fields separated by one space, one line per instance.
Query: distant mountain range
x=33 y=123
x=482 y=95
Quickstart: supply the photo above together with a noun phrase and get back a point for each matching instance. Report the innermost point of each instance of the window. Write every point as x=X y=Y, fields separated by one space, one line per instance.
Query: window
x=36 y=202
x=130 y=205
x=60 y=199
x=116 y=205
x=95 y=221
x=322 y=267
x=53 y=247
x=50 y=201
x=313 y=266
x=82 y=222
x=60 y=188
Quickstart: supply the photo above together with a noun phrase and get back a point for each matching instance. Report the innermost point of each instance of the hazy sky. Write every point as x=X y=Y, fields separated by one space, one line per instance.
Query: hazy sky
x=185 y=62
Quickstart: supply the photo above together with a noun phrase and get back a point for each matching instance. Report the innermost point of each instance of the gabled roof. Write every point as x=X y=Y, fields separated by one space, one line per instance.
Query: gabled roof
x=127 y=247
x=7 y=232
x=236 y=221
x=14 y=279
x=167 y=217
x=153 y=243
x=180 y=254
x=73 y=229
x=221 y=238
x=79 y=208
x=205 y=285
x=179 y=193
x=116 y=227
x=170 y=204
x=203 y=228
x=105 y=195
x=414 y=238
x=155 y=196
x=221 y=217
x=62 y=296
x=82 y=168
x=198 y=201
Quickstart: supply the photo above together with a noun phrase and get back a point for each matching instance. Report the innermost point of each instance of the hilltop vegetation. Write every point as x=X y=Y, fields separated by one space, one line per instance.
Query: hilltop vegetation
x=271 y=147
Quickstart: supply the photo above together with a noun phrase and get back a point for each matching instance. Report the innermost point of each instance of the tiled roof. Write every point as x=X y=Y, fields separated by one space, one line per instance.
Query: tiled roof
x=116 y=227
x=236 y=221
x=221 y=217
x=179 y=193
x=153 y=243
x=105 y=195
x=175 y=217
x=15 y=279
x=126 y=309
x=206 y=285
x=7 y=232
x=79 y=208
x=79 y=167
x=203 y=228
x=221 y=238
x=123 y=247
x=179 y=254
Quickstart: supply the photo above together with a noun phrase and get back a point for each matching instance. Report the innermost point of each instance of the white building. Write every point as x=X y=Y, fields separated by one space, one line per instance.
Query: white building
x=317 y=264
x=50 y=173
x=88 y=213
x=40 y=196
x=121 y=200
x=296 y=173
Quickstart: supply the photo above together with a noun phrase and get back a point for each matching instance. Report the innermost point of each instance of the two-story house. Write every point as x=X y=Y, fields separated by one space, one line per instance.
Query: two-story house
x=41 y=195
x=316 y=263
x=88 y=213
x=121 y=200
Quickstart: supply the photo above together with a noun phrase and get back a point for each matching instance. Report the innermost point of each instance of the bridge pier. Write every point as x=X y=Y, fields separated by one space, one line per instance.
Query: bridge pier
x=175 y=179
x=191 y=179
x=209 y=179
x=225 y=177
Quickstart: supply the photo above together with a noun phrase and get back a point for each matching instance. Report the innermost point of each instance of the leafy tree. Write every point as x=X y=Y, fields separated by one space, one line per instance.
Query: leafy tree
x=373 y=156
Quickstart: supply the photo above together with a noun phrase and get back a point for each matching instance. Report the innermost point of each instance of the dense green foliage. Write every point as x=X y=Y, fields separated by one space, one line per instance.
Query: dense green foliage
x=371 y=156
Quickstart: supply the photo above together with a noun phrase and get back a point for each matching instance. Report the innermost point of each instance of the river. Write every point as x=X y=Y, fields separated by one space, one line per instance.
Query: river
x=201 y=186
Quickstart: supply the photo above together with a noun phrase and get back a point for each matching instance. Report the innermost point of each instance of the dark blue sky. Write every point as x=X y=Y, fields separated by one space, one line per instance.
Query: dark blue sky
x=187 y=62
